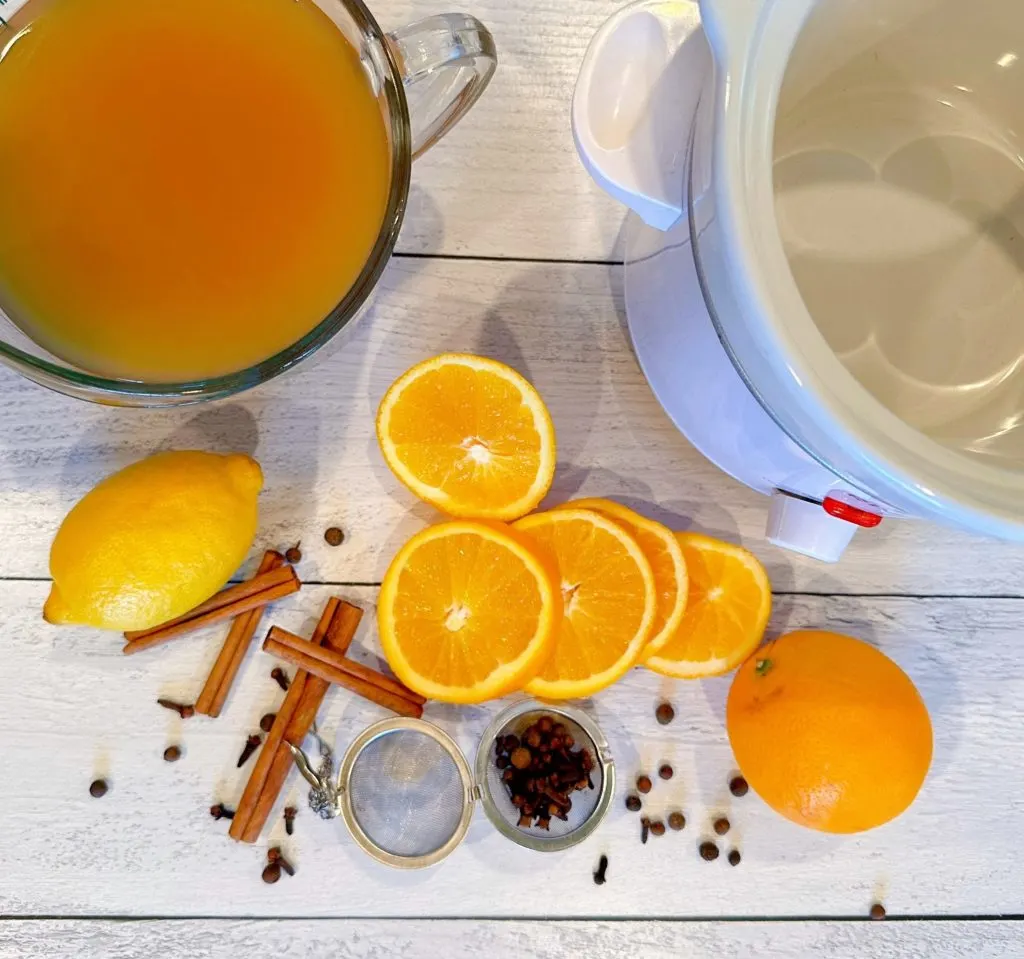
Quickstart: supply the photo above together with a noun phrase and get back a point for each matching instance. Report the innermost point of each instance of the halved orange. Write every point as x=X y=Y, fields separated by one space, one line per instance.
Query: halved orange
x=469 y=435
x=467 y=612
x=663 y=552
x=608 y=596
x=726 y=612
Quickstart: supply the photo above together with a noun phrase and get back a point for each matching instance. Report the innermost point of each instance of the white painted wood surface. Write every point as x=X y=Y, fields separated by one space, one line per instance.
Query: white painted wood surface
x=313 y=431
x=427 y=939
x=72 y=707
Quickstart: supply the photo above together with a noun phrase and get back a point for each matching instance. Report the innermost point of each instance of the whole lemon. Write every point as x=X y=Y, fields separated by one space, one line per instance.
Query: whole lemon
x=829 y=731
x=153 y=540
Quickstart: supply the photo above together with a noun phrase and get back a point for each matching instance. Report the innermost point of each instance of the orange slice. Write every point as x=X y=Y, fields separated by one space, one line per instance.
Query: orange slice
x=663 y=552
x=467 y=612
x=609 y=601
x=468 y=435
x=726 y=613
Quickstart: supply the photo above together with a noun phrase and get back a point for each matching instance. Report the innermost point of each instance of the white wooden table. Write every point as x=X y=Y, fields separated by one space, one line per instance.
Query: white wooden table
x=508 y=250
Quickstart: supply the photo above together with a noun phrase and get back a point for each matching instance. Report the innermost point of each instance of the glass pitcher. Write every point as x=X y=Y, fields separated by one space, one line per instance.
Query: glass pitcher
x=425 y=77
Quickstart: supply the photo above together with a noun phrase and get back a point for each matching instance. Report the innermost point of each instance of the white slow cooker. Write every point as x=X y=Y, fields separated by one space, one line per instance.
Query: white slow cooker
x=825 y=265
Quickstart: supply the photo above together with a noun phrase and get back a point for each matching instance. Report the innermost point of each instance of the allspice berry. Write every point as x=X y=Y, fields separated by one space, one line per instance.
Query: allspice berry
x=665 y=771
x=721 y=826
x=520 y=757
x=734 y=857
x=877 y=911
x=643 y=784
x=172 y=754
x=738 y=786
x=98 y=788
x=665 y=713
x=334 y=536
x=708 y=851
x=676 y=821
x=657 y=827
x=633 y=803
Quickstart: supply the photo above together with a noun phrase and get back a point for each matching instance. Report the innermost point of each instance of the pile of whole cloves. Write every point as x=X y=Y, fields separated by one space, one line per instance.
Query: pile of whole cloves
x=541 y=771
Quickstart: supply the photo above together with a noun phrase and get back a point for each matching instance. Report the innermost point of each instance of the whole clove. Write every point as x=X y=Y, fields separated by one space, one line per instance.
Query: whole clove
x=272 y=872
x=293 y=554
x=334 y=536
x=289 y=819
x=280 y=677
x=184 y=710
x=276 y=858
x=220 y=811
x=98 y=788
x=267 y=721
x=645 y=828
x=541 y=770
x=172 y=754
x=251 y=745
x=600 y=877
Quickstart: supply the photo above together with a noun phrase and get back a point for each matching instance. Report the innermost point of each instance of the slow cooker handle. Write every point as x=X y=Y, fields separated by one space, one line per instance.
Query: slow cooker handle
x=635 y=103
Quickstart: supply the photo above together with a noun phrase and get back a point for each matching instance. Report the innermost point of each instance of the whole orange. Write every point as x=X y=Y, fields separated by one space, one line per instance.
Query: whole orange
x=829 y=731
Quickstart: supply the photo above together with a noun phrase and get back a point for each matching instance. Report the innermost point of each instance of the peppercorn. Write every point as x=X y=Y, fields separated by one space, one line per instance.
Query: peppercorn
x=633 y=802
x=877 y=911
x=280 y=677
x=665 y=713
x=657 y=827
x=734 y=857
x=520 y=757
x=220 y=811
x=98 y=788
x=643 y=784
x=172 y=754
x=645 y=828
x=676 y=821
x=271 y=872
x=289 y=819
x=665 y=771
x=267 y=721
x=602 y=867
x=708 y=851
x=334 y=536
x=738 y=786
x=721 y=826
x=293 y=554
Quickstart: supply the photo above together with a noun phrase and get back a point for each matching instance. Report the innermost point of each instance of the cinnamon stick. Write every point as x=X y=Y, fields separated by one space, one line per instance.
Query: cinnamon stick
x=341 y=628
x=218 y=685
x=288 y=644
x=263 y=589
x=258 y=777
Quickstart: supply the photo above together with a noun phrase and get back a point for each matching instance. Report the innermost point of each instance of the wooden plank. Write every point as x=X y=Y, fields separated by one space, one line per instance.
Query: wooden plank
x=72 y=708
x=428 y=939
x=508 y=182
x=313 y=431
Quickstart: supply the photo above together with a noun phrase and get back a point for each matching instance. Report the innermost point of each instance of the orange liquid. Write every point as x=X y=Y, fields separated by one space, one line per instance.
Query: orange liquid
x=186 y=188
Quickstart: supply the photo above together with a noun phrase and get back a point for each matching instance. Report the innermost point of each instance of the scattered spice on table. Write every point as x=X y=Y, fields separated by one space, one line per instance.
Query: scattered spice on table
x=184 y=710
x=541 y=770
x=172 y=754
x=633 y=802
x=877 y=911
x=734 y=857
x=293 y=554
x=721 y=826
x=676 y=821
x=665 y=771
x=220 y=811
x=276 y=858
x=645 y=828
x=665 y=713
x=657 y=827
x=272 y=872
x=98 y=788
x=267 y=721
x=600 y=877
x=708 y=851
x=643 y=784
x=738 y=786
x=334 y=536
x=251 y=745
x=280 y=677
x=289 y=819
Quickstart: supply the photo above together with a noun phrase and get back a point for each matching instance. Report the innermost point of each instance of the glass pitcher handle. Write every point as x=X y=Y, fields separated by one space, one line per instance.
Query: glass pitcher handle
x=446 y=62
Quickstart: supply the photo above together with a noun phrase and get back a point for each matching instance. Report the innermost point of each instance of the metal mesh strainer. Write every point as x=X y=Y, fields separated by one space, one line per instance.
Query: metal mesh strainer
x=407 y=793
